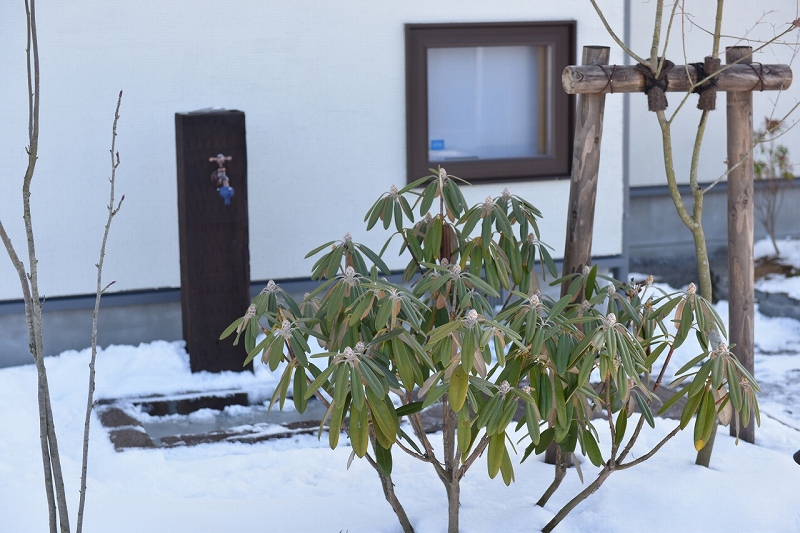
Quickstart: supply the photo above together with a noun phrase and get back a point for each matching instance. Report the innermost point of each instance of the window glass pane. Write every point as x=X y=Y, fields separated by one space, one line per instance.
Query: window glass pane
x=488 y=102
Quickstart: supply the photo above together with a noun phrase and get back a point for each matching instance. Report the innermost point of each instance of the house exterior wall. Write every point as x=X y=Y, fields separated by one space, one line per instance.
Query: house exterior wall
x=323 y=88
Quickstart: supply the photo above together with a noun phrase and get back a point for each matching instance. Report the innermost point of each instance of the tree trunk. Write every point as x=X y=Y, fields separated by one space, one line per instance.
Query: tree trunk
x=453 y=503
x=391 y=497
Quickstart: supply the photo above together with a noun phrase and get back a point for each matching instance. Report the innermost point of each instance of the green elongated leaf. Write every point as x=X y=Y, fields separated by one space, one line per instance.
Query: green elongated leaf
x=335 y=261
x=375 y=258
x=515 y=262
x=497 y=445
x=585 y=370
x=620 y=425
x=684 y=326
x=341 y=380
x=509 y=409
x=383 y=456
x=409 y=409
x=251 y=333
x=663 y=311
x=282 y=390
x=592 y=449
x=386 y=212
x=381 y=418
x=319 y=381
x=717 y=372
x=433 y=239
x=591 y=281
x=372 y=380
x=545 y=395
x=427 y=198
x=299 y=348
x=361 y=309
x=708 y=308
x=499 y=348
x=501 y=221
x=480 y=285
x=373 y=214
x=491 y=273
x=356 y=390
x=673 y=400
x=545 y=440
x=404 y=363
x=571 y=441
x=559 y=306
x=230 y=329
x=398 y=217
x=443 y=331
x=413 y=245
x=457 y=393
x=359 y=430
x=644 y=409
x=433 y=396
x=450 y=202
x=692 y=403
x=548 y=262
x=532 y=422
x=502 y=272
x=691 y=363
x=654 y=355
x=275 y=353
x=562 y=354
x=486 y=232
x=506 y=468
x=413 y=185
x=382 y=316
x=464 y=432
x=418 y=350
x=488 y=410
x=699 y=381
x=358 y=262
x=476 y=260
x=704 y=423
x=468 y=349
x=734 y=389
x=318 y=249
x=474 y=215
x=299 y=390
x=335 y=425
x=406 y=208
x=561 y=404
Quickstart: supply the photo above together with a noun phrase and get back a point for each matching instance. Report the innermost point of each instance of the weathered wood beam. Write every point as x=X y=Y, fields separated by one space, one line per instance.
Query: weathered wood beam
x=743 y=76
x=741 y=226
x=585 y=165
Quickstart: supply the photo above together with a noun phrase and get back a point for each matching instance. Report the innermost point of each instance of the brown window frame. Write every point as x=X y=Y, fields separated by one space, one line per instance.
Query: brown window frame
x=561 y=35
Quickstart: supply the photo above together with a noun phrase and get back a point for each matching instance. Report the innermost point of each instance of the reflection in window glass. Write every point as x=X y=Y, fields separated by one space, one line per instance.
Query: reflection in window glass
x=488 y=102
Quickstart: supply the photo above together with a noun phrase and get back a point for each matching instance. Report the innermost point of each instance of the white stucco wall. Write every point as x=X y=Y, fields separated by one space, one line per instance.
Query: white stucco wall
x=323 y=88
x=758 y=22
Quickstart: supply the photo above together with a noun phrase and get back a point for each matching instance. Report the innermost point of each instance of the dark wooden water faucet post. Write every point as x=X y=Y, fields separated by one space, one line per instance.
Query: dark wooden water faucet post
x=213 y=229
x=738 y=81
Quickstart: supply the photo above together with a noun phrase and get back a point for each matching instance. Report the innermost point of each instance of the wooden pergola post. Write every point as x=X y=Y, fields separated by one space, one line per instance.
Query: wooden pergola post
x=741 y=224
x=585 y=165
x=583 y=183
x=738 y=79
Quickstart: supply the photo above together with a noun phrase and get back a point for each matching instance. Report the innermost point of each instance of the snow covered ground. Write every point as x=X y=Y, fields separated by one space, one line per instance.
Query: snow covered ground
x=300 y=485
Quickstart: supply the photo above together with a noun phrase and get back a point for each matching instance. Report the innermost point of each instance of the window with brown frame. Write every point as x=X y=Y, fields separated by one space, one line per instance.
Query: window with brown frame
x=485 y=100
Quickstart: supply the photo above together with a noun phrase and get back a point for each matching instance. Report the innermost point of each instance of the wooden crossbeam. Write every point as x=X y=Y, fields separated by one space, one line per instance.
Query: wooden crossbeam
x=591 y=79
